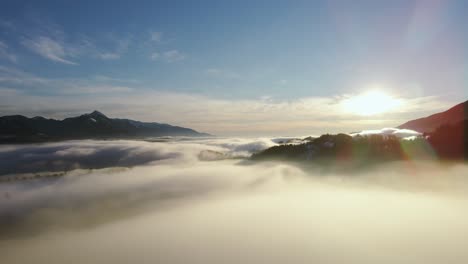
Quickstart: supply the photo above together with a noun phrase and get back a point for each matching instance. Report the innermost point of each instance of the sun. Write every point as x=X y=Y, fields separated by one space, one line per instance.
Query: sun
x=370 y=103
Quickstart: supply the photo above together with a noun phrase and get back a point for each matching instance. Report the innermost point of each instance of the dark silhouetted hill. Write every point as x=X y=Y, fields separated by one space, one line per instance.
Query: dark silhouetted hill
x=95 y=125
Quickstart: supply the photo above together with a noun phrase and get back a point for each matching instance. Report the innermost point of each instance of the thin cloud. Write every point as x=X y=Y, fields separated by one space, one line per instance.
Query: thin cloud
x=169 y=56
x=109 y=56
x=173 y=56
x=121 y=47
x=50 y=41
x=155 y=56
x=12 y=75
x=6 y=54
x=49 y=48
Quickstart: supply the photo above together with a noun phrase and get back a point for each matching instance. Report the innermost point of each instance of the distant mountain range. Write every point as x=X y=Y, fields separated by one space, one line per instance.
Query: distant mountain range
x=95 y=125
x=429 y=124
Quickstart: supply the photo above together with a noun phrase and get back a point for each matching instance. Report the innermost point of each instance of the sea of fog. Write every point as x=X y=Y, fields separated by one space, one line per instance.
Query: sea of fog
x=201 y=201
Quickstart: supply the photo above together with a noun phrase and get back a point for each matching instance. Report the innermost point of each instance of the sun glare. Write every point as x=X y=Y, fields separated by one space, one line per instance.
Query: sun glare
x=370 y=103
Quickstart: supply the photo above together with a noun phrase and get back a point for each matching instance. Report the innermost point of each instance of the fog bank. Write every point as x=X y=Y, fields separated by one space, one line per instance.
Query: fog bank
x=177 y=208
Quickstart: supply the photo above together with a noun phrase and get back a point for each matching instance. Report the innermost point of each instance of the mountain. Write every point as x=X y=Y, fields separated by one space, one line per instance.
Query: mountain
x=428 y=124
x=95 y=125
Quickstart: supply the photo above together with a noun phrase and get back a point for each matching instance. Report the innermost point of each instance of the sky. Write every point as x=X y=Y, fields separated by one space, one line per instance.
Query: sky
x=233 y=67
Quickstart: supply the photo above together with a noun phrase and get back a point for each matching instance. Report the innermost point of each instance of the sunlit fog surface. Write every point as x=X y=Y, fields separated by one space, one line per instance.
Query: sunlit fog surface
x=203 y=201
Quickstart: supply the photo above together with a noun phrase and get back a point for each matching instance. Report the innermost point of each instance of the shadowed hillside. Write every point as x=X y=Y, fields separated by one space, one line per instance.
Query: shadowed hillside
x=452 y=116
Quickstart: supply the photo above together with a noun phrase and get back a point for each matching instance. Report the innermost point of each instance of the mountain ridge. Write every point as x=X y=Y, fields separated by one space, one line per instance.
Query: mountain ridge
x=94 y=125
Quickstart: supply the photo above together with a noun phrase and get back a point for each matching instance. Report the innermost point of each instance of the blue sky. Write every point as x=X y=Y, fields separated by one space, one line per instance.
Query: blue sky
x=226 y=66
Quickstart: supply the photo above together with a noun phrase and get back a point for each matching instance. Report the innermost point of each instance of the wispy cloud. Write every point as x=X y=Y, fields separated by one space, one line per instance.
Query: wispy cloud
x=168 y=56
x=109 y=56
x=49 y=48
x=12 y=77
x=155 y=56
x=51 y=42
x=5 y=53
x=58 y=50
x=156 y=38
x=173 y=56
x=121 y=46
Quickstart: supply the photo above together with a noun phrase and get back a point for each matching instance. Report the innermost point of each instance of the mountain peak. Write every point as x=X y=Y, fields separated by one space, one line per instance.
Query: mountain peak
x=96 y=113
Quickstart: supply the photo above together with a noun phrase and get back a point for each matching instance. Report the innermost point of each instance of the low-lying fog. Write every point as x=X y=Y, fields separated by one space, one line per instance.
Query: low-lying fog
x=198 y=201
